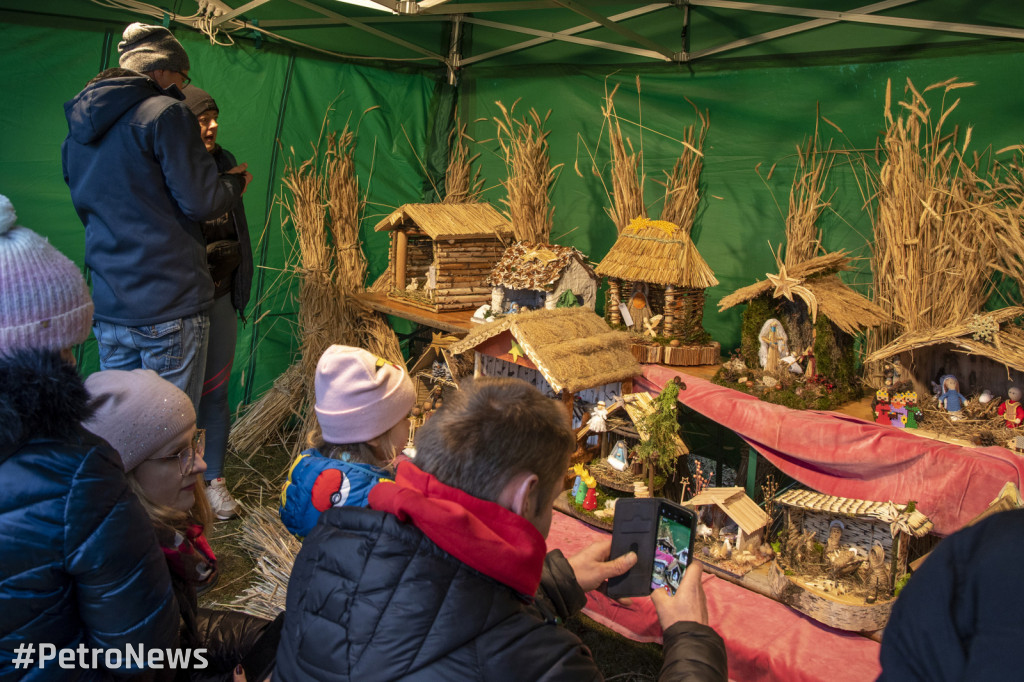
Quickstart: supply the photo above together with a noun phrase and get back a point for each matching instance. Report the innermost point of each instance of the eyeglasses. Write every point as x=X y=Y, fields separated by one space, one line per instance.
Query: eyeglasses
x=185 y=79
x=187 y=457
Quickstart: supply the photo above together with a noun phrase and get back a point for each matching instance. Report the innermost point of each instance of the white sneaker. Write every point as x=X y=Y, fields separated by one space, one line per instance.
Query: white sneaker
x=223 y=505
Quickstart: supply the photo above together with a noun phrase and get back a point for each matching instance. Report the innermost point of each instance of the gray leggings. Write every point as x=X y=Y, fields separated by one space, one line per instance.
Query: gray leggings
x=213 y=414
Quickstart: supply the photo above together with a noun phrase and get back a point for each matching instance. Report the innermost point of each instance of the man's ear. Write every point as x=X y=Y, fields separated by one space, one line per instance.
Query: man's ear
x=519 y=493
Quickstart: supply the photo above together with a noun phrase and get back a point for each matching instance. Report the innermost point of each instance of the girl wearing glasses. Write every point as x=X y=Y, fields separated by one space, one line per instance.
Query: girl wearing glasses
x=152 y=424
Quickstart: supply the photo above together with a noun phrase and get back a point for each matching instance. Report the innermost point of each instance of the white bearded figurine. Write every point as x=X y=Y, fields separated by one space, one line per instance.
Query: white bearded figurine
x=598 y=418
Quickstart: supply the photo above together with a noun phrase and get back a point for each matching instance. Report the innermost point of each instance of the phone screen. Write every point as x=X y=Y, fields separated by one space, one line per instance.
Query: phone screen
x=671 y=551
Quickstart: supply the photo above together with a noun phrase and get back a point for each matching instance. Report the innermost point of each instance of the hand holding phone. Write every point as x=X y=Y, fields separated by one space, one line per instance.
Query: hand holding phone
x=689 y=603
x=661 y=534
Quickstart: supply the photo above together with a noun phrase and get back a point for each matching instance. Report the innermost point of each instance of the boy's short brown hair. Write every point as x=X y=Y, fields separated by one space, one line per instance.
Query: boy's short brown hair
x=492 y=429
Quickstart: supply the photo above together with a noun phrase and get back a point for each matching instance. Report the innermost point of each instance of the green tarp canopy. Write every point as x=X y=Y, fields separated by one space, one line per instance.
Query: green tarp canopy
x=277 y=68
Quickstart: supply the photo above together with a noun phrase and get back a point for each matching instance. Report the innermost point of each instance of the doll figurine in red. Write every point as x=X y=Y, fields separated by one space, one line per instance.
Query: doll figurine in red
x=1011 y=409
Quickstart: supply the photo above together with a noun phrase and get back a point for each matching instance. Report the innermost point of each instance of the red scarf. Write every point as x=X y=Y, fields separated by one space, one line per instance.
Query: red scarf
x=483 y=535
x=190 y=555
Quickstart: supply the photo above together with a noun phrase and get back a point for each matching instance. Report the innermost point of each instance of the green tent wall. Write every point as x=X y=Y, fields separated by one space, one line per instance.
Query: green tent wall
x=274 y=98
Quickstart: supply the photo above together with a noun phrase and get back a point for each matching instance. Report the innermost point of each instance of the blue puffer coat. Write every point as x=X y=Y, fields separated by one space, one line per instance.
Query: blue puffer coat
x=79 y=560
x=141 y=181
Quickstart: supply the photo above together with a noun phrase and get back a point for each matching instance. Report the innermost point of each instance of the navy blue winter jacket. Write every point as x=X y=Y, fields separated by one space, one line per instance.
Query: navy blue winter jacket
x=142 y=181
x=79 y=560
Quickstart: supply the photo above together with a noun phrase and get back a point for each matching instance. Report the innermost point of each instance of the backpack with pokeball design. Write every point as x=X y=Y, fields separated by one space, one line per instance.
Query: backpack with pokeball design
x=316 y=483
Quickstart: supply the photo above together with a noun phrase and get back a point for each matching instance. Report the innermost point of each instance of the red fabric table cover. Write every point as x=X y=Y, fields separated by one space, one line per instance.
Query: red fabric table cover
x=849 y=457
x=765 y=640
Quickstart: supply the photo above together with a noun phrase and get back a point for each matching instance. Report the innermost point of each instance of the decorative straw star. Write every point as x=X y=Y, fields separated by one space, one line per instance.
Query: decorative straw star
x=786 y=287
x=516 y=351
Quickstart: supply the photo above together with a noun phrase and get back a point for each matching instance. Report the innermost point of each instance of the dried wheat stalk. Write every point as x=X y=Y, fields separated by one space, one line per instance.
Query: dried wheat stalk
x=524 y=144
x=627 y=185
x=462 y=184
x=803 y=238
x=682 y=185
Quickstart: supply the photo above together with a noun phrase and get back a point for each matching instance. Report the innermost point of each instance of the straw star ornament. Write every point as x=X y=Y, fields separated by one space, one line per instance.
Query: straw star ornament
x=787 y=287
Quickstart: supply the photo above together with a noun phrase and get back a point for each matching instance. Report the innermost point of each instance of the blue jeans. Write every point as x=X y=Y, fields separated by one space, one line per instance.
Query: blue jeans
x=176 y=350
x=213 y=414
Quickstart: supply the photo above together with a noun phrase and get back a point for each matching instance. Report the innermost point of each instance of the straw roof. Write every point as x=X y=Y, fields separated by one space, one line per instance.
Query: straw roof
x=449 y=220
x=849 y=310
x=1006 y=346
x=885 y=512
x=533 y=265
x=736 y=505
x=573 y=348
x=657 y=252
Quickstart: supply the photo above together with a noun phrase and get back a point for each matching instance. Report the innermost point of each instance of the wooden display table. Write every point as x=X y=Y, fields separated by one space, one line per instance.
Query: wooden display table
x=456 y=322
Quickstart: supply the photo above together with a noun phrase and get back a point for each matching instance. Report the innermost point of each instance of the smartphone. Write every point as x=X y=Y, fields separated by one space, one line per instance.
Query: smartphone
x=661 y=533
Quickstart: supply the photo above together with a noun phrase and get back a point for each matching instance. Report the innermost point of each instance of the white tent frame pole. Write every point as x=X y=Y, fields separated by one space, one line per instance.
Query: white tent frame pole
x=901 y=22
x=613 y=26
x=247 y=7
x=790 y=30
x=567 y=35
x=369 y=29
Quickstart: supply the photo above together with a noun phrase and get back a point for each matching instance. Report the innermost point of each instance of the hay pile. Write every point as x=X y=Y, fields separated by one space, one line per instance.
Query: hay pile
x=524 y=145
x=273 y=550
x=324 y=206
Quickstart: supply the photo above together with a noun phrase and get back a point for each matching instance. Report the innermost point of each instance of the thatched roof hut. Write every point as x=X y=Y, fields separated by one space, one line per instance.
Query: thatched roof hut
x=660 y=257
x=572 y=349
x=657 y=252
x=981 y=336
x=850 y=311
x=441 y=254
x=542 y=273
x=736 y=505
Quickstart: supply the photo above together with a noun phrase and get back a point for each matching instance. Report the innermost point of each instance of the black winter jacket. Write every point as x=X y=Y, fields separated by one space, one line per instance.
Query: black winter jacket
x=233 y=227
x=141 y=181
x=372 y=598
x=959 y=617
x=79 y=561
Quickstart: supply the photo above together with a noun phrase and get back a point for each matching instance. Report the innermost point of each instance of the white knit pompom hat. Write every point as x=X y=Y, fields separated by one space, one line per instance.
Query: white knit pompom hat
x=44 y=301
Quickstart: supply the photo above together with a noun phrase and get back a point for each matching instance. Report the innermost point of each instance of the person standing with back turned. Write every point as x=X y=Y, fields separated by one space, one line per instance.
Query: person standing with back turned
x=142 y=181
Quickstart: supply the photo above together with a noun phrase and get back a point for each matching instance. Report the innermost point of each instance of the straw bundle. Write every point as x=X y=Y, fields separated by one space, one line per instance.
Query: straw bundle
x=932 y=257
x=829 y=263
x=803 y=238
x=322 y=202
x=273 y=549
x=681 y=185
x=524 y=143
x=461 y=183
x=627 y=185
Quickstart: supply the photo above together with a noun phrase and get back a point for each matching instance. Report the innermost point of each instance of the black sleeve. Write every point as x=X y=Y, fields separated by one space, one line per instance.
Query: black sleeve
x=693 y=652
x=559 y=592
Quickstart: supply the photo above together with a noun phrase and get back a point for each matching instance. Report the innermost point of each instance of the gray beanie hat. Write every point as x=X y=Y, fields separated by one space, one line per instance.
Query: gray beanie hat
x=44 y=301
x=137 y=412
x=146 y=48
x=198 y=100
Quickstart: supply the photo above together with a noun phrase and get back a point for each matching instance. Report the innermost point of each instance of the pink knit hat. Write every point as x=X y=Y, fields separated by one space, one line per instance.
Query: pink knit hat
x=359 y=396
x=44 y=301
x=137 y=412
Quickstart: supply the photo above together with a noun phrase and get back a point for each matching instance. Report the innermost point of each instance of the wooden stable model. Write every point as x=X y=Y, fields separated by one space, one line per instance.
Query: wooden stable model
x=441 y=254
x=736 y=554
x=531 y=275
x=436 y=373
x=840 y=558
x=563 y=352
x=654 y=269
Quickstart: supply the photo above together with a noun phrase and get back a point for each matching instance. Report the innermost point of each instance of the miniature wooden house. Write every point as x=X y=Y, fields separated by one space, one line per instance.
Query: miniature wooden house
x=532 y=275
x=563 y=352
x=436 y=373
x=983 y=351
x=864 y=523
x=654 y=269
x=738 y=507
x=441 y=254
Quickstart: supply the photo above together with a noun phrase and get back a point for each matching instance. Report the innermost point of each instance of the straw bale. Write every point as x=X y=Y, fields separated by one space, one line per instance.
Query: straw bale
x=456 y=221
x=1006 y=348
x=648 y=251
x=525 y=265
x=573 y=348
